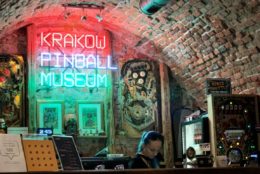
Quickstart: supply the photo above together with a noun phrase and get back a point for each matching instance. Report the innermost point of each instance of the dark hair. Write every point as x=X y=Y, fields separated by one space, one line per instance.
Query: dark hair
x=147 y=137
x=190 y=149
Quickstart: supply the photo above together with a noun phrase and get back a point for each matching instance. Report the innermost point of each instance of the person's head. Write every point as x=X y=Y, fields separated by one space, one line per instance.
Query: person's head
x=150 y=144
x=190 y=152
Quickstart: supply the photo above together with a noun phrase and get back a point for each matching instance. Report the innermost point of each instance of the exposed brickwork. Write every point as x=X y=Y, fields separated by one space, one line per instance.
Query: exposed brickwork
x=197 y=39
x=14 y=43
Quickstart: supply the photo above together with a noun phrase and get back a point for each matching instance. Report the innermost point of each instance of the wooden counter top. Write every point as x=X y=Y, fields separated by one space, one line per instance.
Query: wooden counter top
x=172 y=171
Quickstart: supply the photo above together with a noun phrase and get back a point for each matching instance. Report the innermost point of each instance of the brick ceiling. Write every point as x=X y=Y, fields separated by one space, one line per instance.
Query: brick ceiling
x=196 y=39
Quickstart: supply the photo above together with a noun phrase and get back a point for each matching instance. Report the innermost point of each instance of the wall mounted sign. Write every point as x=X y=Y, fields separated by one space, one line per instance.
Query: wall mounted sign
x=70 y=59
x=74 y=40
x=218 y=86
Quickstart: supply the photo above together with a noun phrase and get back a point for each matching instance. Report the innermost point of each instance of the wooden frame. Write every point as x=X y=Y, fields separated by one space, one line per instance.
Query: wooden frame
x=90 y=118
x=50 y=115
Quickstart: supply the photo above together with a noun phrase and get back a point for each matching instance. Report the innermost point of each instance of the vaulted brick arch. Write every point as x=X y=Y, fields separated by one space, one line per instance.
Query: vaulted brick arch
x=196 y=39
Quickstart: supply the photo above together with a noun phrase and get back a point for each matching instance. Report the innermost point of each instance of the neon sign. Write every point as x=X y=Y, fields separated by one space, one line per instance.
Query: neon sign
x=82 y=68
x=73 y=79
x=73 y=40
x=75 y=61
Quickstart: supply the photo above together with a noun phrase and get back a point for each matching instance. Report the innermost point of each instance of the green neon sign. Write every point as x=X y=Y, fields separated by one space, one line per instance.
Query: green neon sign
x=73 y=79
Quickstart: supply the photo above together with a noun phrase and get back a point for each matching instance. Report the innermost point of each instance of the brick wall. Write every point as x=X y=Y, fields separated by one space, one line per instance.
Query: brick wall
x=196 y=39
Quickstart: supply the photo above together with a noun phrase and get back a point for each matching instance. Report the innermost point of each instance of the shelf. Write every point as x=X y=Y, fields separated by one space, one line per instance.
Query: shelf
x=88 y=136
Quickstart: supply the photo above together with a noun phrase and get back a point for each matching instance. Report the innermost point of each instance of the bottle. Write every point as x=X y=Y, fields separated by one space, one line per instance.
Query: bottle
x=3 y=126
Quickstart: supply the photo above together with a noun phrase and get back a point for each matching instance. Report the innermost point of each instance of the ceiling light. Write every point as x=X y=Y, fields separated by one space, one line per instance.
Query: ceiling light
x=150 y=7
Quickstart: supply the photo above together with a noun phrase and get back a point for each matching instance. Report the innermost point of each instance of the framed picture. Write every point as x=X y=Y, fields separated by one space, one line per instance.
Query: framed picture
x=50 y=115
x=90 y=118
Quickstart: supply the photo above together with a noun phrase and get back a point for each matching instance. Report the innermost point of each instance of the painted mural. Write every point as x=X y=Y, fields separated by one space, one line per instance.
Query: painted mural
x=139 y=91
x=11 y=89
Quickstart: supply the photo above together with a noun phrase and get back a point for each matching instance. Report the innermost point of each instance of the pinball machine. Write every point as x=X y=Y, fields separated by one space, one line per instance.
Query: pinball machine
x=12 y=90
x=234 y=129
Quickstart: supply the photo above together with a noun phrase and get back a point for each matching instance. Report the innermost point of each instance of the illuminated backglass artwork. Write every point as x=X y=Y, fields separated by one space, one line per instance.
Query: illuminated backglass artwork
x=50 y=115
x=90 y=118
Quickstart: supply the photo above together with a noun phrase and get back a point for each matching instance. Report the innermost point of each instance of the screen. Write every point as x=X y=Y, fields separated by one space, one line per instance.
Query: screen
x=45 y=131
x=195 y=134
x=67 y=152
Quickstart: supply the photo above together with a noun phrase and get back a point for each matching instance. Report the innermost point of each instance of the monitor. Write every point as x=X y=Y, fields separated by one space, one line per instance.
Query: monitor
x=195 y=134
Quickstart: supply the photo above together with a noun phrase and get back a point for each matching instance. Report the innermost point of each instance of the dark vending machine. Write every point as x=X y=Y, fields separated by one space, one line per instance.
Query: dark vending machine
x=233 y=129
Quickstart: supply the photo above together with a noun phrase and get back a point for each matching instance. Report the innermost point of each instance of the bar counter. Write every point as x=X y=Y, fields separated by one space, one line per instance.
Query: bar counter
x=237 y=170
